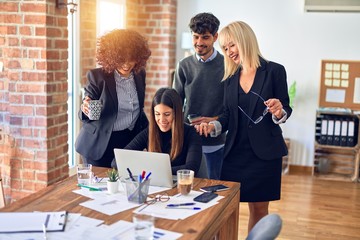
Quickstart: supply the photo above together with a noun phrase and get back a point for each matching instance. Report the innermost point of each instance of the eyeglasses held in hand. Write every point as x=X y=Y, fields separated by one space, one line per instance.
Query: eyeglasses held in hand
x=152 y=200
x=266 y=110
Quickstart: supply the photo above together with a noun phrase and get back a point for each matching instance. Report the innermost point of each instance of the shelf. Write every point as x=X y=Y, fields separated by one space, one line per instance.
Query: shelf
x=335 y=162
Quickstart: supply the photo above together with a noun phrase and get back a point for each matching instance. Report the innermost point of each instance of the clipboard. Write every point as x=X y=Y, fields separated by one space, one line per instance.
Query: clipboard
x=17 y=222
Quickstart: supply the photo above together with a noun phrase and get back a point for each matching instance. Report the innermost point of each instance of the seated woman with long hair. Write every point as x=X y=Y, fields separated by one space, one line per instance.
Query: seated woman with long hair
x=167 y=133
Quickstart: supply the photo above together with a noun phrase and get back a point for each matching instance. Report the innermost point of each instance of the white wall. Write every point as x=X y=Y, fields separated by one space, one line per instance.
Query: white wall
x=294 y=38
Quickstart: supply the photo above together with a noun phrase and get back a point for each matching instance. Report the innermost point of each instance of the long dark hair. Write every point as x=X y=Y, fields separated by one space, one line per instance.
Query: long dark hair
x=170 y=98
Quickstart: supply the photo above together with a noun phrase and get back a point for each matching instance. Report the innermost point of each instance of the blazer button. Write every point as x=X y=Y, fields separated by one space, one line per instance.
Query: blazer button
x=250 y=126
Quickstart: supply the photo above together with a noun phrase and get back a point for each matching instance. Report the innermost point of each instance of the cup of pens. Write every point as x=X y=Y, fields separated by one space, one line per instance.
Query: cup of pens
x=137 y=190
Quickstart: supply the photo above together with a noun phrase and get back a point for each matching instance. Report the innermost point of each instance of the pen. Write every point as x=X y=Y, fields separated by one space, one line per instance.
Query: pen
x=143 y=174
x=91 y=188
x=130 y=174
x=181 y=204
x=147 y=176
x=190 y=208
x=44 y=230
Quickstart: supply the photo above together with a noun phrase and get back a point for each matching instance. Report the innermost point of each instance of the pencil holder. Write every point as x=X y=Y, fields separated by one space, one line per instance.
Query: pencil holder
x=137 y=192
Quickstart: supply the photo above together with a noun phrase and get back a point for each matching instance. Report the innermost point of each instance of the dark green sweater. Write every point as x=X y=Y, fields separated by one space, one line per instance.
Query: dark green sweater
x=199 y=85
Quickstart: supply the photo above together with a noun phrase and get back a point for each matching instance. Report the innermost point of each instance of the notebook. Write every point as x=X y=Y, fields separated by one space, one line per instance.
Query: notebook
x=137 y=161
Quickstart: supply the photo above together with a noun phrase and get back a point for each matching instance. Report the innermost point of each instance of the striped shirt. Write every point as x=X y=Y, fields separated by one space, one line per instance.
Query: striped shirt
x=128 y=107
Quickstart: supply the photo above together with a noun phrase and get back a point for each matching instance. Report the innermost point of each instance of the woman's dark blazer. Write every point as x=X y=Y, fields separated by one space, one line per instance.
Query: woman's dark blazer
x=265 y=137
x=94 y=136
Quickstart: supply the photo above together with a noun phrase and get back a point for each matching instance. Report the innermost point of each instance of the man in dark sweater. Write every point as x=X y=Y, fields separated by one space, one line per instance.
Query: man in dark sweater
x=198 y=81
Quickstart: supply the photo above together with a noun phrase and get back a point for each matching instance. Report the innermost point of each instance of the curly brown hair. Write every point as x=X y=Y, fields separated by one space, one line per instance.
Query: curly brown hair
x=120 y=46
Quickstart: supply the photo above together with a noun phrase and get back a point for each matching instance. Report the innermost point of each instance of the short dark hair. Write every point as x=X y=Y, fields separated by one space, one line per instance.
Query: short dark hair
x=203 y=22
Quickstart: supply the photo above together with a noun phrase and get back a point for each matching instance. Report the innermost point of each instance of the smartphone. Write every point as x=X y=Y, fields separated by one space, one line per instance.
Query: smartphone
x=205 y=197
x=214 y=188
x=193 y=117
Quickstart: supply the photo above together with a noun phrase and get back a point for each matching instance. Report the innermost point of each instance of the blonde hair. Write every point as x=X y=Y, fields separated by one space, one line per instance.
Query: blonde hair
x=240 y=34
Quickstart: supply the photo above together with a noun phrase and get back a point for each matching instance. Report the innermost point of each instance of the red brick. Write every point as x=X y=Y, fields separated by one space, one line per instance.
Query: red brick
x=14 y=76
x=9 y=7
x=11 y=18
x=33 y=53
x=12 y=64
x=33 y=42
x=40 y=31
x=29 y=88
x=34 y=19
x=25 y=30
x=31 y=7
x=13 y=41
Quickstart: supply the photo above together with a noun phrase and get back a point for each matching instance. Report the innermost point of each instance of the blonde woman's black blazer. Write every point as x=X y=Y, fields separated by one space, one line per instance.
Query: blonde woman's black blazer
x=265 y=137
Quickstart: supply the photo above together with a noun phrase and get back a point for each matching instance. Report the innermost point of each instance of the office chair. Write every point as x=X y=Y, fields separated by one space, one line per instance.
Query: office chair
x=268 y=228
x=2 y=196
x=202 y=173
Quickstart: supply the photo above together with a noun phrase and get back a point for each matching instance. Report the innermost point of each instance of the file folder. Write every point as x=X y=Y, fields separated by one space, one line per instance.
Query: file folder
x=323 y=134
x=17 y=222
x=350 y=135
x=330 y=132
x=337 y=129
x=344 y=132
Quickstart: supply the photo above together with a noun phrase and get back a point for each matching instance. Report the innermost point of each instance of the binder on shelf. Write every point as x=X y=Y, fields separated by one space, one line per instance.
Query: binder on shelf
x=330 y=132
x=344 y=132
x=323 y=133
x=337 y=129
x=350 y=134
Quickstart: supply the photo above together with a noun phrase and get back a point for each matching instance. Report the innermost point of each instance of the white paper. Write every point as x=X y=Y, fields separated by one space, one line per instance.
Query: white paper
x=335 y=95
x=329 y=66
x=75 y=227
x=159 y=209
x=345 y=83
x=357 y=90
x=345 y=75
x=123 y=230
x=110 y=205
x=344 y=67
x=32 y=221
x=99 y=194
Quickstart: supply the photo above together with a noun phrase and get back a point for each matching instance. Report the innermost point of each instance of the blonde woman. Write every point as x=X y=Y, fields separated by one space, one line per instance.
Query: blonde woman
x=256 y=101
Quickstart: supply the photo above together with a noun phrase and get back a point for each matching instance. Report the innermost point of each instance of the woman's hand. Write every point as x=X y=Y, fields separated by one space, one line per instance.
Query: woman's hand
x=275 y=107
x=85 y=105
x=204 y=128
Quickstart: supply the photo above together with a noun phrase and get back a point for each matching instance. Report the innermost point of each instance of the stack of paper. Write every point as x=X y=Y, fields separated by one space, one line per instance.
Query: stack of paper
x=160 y=209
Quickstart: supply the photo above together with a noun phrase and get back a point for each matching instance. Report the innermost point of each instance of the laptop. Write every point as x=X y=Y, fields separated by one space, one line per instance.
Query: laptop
x=137 y=161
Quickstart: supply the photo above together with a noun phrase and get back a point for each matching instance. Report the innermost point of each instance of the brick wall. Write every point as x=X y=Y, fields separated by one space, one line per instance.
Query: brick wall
x=33 y=83
x=33 y=95
x=87 y=37
x=156 y=19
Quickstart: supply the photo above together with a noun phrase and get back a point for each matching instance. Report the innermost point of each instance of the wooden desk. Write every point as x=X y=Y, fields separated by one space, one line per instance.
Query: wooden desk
x=222 y=219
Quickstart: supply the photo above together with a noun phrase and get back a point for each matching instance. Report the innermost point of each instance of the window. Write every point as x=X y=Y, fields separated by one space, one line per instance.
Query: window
x=111 y=14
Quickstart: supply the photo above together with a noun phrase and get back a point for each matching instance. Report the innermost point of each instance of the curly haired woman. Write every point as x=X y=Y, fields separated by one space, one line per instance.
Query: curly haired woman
x=120 y=86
